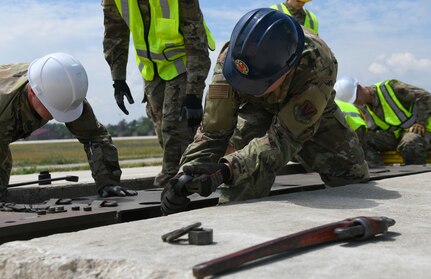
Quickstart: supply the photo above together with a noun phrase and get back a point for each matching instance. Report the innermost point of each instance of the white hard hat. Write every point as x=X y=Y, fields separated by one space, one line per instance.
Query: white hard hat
x=345 y=89
x=60 y=83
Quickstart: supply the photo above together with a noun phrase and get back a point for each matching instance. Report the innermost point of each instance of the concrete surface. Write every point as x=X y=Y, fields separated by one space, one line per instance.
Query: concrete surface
x=85 y=175
x=132 y=178
x=135 y=249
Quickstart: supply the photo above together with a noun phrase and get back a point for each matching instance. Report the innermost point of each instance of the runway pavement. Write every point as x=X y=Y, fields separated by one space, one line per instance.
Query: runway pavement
x=135 y=249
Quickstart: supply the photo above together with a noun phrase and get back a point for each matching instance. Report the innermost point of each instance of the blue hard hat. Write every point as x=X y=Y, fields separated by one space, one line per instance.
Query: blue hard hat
x=264 y=45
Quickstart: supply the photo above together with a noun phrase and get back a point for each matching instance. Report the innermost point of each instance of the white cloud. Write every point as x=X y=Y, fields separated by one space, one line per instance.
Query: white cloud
x=404 y=66
x=377 y=68
x=405 y=62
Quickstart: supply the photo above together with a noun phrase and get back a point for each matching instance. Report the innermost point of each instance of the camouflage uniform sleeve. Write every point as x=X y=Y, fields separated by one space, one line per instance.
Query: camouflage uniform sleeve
x=101 y=153
x=196 y=46
x=5 y=165
x=408 y=94
x=218 y=124
x=115 y=40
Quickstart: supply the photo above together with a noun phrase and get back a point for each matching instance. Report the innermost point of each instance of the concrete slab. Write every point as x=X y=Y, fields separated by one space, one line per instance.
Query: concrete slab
x=132 y=178
x=135 y=249
x=85 y=175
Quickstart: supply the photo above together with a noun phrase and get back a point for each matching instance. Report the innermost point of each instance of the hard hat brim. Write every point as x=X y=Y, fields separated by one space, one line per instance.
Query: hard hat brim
x=63 y=116
x=353 y=98
x=68 y=116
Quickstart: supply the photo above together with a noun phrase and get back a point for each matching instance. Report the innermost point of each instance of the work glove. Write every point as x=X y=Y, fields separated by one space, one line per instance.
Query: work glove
x=115 y=190
x=172 y=202
x=192 y=110
x=121 y=89
x=206 y=177
x=417 y=129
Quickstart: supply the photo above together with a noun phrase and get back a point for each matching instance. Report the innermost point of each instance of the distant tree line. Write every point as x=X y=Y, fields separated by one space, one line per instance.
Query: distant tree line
x=140 y=127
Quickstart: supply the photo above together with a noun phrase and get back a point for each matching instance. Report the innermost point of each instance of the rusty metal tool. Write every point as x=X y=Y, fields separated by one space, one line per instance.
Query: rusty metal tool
x=359 y=228
x=42 y=181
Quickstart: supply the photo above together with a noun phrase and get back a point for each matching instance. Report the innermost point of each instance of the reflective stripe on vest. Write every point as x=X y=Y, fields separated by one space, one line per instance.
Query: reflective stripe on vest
x=373 y=121
x=165 y=44
x=394 y=112
x=352 y=114
x=310 y=21
x=428 y=126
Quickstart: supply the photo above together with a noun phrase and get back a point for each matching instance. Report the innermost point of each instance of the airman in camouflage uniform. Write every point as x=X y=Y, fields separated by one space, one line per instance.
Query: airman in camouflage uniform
x=413 y=142
x=295 y=8
x=18 y=120
x=257 y=128
x=175 y=118
x=298 y=118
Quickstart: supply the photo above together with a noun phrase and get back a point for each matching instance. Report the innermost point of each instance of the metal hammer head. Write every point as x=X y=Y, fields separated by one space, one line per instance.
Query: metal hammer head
x=72 y=178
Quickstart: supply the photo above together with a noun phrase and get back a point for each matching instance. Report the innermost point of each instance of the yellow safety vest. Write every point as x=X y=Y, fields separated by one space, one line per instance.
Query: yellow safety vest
x=310 y=21
x=165 y=44
x=353 y=115
x=428 y=126
x=396 y=117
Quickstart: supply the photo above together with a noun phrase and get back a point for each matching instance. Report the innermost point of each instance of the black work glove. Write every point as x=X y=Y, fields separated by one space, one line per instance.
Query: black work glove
x=115 y=190
x=206 y=177
x=171 y=202
x=192 y=110
x=121 y=89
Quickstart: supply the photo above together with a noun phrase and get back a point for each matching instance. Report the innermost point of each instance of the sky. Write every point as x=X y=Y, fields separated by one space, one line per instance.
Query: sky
x=373 y=40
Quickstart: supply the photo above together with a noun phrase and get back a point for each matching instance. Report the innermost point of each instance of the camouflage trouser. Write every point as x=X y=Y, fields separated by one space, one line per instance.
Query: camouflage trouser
x=5 y=169
x=334 y=152
x=165 y=100
x=413 y=147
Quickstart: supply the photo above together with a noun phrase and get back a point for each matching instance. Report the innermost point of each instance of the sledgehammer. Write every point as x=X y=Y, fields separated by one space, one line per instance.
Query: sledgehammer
x=43 y=181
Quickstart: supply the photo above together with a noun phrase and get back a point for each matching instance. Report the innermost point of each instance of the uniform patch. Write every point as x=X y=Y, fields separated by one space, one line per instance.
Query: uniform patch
x=241 y=66
x=218 y=91
x=304 y=112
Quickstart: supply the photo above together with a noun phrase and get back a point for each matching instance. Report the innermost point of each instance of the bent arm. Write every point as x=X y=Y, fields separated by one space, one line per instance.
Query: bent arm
x=101 y=153
x=218 y=123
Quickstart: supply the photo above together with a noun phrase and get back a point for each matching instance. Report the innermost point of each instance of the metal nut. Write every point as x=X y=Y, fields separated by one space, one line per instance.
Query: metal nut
x=201 y=236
